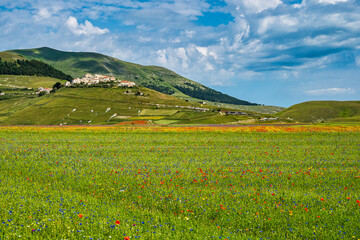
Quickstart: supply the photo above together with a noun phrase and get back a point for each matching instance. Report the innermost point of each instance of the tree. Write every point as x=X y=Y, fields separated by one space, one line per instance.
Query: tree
x=57 y=85
x=42 y=93
x=31 y=68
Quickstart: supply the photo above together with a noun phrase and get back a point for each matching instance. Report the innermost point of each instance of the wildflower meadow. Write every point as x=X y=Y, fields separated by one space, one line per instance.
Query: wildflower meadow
x=180 y=183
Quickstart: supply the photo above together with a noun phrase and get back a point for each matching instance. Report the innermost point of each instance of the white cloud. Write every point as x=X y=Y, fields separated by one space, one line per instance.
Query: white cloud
x=256 y=6
x=86 y=29
x=202 y=50
x=189 y=34
x=144 y=39
x=43 y=14
x=181 y=54
x=319 y=40
x=284 y=23
x=176 y=40
x=161 y=57
x=209 y=67
x=301 y=5
x=332 y=1
x=187 y=8
x=330 y=91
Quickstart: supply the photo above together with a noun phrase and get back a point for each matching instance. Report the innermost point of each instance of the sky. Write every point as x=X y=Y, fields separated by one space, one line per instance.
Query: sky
x=272 y=52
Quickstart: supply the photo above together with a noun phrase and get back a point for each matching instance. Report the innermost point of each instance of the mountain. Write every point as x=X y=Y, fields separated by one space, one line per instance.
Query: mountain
x=324 y=111
x=77 y=64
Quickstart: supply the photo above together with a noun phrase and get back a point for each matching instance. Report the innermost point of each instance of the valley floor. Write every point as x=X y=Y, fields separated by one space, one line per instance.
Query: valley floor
x=276 y=182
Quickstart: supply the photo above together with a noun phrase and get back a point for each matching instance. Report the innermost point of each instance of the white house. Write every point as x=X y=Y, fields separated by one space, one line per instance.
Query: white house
x=76 y=81
x=102 y=78
x=46 y=90
x=124 y=83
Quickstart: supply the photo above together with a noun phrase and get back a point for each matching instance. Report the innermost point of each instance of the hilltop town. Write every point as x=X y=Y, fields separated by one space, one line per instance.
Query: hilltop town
x=90 y=79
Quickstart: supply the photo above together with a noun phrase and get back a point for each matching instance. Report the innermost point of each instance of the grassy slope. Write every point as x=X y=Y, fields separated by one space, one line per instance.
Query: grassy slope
x=20 y=81
x=20 y=94
x=89 y=106
x=79 y=63
x=20 y=106
x=257 y=109
x=9 y=56
x=316 y=111
x=58 y=108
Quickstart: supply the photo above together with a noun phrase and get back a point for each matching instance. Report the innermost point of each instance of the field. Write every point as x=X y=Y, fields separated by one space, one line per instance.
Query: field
x=180 y=183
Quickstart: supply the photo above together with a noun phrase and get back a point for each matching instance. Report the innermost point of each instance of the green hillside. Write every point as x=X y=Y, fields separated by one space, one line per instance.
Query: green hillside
x=10 y=57
x=160 y=79
x=87 y=106
x=13 y=64
x=20 y=104
x=19 y=81
x=324 y=111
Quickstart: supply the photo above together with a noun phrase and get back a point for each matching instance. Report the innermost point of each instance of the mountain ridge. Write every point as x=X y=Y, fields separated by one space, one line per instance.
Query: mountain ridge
x=157 y=78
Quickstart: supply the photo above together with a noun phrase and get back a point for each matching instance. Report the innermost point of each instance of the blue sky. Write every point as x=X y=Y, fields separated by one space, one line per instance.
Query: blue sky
x=273 y=52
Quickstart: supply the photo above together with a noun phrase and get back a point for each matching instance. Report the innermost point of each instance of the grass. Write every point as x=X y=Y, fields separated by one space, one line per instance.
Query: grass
x=91 y=104
x=148 y=118
x=166 y=122
x=255 y=109
x=157 y=112
x=11 y=106
x=180 y=183
x=18 y=81
x=88 y=106
x=318 y=111
x=10 y=57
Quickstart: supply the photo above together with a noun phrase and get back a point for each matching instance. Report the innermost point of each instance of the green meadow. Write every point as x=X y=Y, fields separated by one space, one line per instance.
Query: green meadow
x=179 y=183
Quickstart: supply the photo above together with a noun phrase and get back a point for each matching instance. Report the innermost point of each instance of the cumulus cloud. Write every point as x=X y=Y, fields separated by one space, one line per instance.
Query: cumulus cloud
x=332 y=1
x=86 y=29
x=203 y=50
x=330 y=91
x=161 y=57
x=263 y=40
x=278 y=23
x=184 y=7
x=256 y=6
x=261 y=5
x=43 y=13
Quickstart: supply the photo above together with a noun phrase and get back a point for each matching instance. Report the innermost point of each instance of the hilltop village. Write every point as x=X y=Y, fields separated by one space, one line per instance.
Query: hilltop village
x=90 y=79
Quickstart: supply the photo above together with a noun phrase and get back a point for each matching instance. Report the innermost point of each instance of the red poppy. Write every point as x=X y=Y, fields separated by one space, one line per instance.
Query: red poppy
x=117 y=222
x=126 y=238
x=80 y=215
